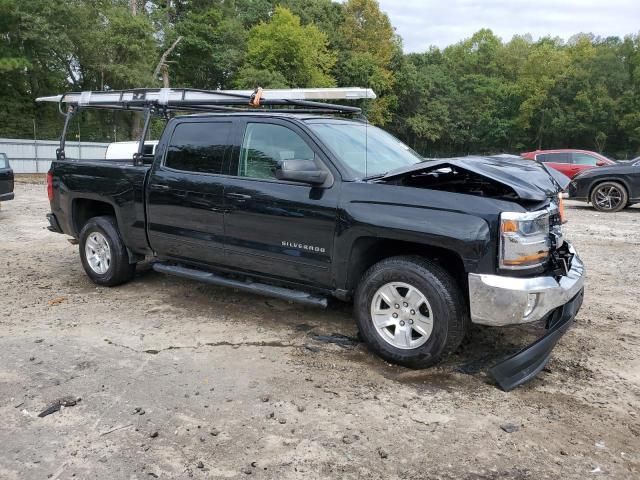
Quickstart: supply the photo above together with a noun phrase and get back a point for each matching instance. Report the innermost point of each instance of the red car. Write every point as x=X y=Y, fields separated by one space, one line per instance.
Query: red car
x=569 y=161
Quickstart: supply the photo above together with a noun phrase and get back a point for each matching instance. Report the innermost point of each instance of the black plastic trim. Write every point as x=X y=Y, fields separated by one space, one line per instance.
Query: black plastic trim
x=528 y=362
x=54 y=226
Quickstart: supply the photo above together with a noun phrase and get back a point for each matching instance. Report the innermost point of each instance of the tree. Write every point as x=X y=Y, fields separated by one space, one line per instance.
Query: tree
x=212 y=48
x=369 y=45
x=284 y=47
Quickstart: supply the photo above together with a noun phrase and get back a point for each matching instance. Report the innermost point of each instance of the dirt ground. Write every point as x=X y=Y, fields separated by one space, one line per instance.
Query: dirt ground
x=231 y=385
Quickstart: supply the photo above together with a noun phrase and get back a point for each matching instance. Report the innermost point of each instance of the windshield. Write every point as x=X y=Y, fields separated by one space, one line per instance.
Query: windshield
x=365 y=149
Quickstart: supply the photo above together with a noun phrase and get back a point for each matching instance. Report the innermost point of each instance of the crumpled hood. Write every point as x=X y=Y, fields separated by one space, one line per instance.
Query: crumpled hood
x=530 y=180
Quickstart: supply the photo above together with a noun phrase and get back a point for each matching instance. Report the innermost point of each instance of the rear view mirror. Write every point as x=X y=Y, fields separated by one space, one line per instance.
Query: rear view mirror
x=305 y=171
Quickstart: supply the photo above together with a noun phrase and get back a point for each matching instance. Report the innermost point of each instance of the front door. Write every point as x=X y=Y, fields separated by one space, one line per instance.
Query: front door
x=279 y=228
x=582 y=161
x=185 y=201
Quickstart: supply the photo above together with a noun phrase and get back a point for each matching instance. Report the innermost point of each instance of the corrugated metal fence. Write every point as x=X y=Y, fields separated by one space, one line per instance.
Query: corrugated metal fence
x=35 y=156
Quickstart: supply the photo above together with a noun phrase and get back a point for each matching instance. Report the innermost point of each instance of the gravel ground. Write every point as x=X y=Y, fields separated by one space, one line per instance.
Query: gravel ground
x=179 y=379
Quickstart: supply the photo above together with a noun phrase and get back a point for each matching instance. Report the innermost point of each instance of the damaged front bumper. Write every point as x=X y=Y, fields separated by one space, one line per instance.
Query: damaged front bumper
x=501 y=301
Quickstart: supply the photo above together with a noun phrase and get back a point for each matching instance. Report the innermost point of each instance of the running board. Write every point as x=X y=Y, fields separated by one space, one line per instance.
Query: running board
x=246 y=286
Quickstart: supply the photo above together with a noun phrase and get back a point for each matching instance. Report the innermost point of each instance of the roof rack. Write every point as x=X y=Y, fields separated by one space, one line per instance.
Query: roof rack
x=187 y=99
x=163 y=101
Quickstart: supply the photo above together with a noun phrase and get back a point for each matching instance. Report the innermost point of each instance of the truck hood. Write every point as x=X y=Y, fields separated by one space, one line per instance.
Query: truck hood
x=524 y=179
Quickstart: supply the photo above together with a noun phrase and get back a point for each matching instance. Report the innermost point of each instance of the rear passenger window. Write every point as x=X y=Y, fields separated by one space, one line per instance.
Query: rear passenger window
x=265 y=145
x=553 y=157
x=199 y=147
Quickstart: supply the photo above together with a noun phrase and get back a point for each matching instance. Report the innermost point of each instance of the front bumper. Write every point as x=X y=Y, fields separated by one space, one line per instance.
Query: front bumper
x=497 y=300
x=7 y=196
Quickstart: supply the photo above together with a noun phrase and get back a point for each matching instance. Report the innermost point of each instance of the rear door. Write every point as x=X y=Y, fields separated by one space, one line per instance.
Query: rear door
x=279 y=228
x=6 y=176
x=560 y=161
x=185 y=202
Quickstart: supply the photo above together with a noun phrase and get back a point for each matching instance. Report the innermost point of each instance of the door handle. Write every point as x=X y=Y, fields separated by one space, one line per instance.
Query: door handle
x=238 y=196
x=158 y=186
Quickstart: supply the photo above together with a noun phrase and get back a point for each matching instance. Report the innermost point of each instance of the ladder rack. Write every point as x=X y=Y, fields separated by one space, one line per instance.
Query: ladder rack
x=186 y=99
x=163 y=101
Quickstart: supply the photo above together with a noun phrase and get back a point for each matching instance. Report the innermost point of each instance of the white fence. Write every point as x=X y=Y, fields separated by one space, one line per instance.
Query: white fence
x=35 y=156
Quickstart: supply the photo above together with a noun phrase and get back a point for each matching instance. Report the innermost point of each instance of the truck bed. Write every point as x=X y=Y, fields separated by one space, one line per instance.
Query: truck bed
x=117 y=183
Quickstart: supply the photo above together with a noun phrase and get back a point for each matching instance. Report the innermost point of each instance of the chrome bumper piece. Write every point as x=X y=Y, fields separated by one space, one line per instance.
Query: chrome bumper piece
x=497 y=300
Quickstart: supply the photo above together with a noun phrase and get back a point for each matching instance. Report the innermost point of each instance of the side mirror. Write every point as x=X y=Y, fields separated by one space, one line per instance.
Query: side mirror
x=305 y=171
x=600 y=163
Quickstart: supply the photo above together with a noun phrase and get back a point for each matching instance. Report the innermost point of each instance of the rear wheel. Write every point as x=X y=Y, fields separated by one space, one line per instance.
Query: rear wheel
x=609 y=197
x=410 y=311
x=104 y=256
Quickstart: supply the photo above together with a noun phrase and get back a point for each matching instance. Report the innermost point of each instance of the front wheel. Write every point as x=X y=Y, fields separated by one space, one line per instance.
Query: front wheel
x=609 y=197
x=410 y=311
x=103 y=254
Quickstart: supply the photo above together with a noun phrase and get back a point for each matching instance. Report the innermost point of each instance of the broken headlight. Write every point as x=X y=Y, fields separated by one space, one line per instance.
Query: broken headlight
x=524 y=239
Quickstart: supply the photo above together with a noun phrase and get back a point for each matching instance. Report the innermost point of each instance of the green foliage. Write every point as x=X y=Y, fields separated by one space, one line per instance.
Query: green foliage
x=298 y=53
x=369 y=45
x=211 y=50
x=481 y=95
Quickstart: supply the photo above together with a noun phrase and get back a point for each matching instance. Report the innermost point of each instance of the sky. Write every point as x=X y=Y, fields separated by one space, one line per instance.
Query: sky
x=422 y=23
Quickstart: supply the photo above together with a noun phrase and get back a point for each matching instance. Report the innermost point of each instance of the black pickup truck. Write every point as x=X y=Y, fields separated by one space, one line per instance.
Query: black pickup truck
x=306 y=206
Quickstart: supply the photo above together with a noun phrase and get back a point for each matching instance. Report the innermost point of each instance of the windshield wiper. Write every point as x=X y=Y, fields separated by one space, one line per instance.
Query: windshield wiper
x=374 y=177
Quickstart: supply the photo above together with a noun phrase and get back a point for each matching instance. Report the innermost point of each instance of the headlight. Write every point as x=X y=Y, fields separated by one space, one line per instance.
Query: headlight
x=524 y=239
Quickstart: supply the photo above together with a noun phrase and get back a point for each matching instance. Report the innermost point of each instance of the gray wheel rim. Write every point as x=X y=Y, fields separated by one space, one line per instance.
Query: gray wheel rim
x=97 y=253
x=608 y=197
x=402 y=315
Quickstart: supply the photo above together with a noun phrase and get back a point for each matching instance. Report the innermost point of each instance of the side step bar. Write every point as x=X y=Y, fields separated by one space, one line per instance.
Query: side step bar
x=246 y=286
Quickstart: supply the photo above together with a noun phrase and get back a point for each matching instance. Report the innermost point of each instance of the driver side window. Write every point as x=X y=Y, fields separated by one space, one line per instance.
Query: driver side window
x=266 y=144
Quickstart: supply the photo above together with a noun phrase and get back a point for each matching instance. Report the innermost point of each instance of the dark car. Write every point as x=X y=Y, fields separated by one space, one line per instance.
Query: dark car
x=570 y=162
x=608 y=189
x=6 y=179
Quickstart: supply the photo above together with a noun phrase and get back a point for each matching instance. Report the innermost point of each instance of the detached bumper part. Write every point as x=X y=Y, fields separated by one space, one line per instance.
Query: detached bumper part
x=528 y=362
x=499 y=301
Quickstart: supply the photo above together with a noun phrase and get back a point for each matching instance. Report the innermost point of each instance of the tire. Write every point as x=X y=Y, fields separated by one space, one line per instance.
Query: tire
x=442 y=303
x=103 y=254
x=609 y=197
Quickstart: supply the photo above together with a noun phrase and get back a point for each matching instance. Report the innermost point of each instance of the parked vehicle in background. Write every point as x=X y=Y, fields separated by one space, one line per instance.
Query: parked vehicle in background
x=126 y=150
x=6 y=179
x=608 y=189
x=569 y=161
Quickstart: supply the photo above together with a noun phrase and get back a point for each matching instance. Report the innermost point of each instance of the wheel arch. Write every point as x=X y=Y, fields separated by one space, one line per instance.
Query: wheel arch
x=367 y=251
x=85 y=208
x=600 y=181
